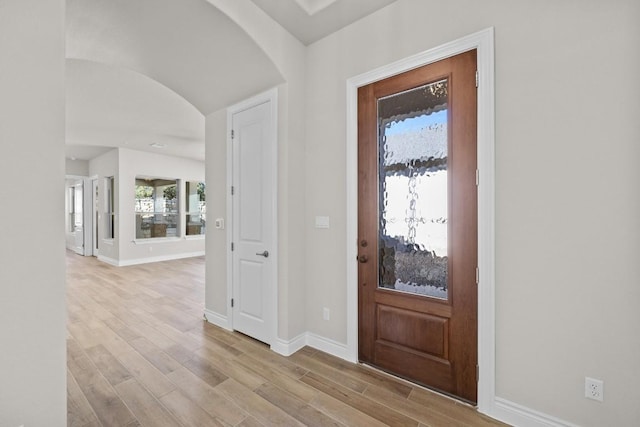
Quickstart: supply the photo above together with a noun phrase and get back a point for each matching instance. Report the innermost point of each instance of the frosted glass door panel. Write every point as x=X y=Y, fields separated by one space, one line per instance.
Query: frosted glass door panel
x=413 y=190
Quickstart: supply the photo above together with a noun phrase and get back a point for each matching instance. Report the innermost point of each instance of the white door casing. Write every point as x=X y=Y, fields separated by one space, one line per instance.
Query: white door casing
x=75 y=221
x=253 y=218
x=80 y=239
x=94 y=216
x=79 y=225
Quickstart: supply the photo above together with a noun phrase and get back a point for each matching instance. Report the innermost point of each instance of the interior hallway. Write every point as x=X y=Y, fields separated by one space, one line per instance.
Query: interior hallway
x=139 y=353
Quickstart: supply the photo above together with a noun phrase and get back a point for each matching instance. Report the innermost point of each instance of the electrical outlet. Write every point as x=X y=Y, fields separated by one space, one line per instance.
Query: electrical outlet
x=594 y=389
x=326 y=313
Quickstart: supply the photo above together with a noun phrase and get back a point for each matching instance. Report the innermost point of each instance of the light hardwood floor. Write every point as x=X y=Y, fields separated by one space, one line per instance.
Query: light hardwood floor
x=139 y=353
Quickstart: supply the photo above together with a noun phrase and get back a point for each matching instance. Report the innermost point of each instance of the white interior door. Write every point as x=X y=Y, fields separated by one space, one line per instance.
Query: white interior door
x=253 y=210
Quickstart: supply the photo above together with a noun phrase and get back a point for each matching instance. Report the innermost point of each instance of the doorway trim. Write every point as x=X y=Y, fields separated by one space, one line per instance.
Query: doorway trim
x=94 y=216
x=483 y=41
x=87 y=211
x=270 y=96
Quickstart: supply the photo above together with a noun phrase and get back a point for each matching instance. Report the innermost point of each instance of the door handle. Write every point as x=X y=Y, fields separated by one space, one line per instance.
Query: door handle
x=363 y=258
x=264 y=254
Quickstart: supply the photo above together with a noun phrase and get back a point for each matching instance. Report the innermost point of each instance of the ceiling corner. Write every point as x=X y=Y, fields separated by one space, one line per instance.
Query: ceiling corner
x=314 y=6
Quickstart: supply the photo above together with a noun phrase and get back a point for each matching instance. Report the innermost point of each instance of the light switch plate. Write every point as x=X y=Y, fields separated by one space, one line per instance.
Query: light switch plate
x=322 y=222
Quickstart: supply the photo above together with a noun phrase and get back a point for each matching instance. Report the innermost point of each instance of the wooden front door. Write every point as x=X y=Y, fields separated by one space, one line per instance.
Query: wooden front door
x=417 y=225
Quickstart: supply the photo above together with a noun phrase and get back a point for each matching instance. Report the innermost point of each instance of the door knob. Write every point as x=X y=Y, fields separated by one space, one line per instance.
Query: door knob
x=264 y=254
x=363 y=258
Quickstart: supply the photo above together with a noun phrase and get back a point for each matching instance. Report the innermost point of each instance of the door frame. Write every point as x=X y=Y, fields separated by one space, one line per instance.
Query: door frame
x=87 y=219
x=483 y=41
x=94 y=213
x=271 y=97
x=72 y=182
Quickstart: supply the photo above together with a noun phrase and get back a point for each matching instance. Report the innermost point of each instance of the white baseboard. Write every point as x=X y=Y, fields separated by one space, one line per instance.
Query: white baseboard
x=521 y=416
x=217 y=319
x=108 y=260
x=287 y=348
x=137 y=261
x=329 y=346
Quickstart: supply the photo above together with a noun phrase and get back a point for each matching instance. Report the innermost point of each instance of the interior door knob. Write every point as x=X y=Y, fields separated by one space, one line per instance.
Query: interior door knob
x=363 y=258
x=264 y=254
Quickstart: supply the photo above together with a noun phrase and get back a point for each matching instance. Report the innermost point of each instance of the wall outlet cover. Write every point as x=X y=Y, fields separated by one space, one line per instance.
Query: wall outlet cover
x=594 y=389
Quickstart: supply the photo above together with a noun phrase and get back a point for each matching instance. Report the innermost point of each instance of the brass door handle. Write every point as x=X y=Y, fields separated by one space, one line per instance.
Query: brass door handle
x=363 y=258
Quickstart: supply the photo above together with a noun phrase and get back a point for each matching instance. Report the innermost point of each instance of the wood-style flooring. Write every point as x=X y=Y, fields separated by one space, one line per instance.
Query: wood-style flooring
x=140 y=354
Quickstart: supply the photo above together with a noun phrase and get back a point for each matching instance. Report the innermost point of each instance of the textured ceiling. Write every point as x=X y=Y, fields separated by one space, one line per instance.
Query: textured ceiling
x=188 y=46
x=311 y=20
x=147 y=71
x=114 y=107
x=313 y=6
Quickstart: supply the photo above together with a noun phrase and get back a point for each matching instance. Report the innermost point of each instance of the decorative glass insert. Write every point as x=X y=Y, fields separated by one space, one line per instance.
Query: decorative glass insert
x=413 y=190
x=156 y=207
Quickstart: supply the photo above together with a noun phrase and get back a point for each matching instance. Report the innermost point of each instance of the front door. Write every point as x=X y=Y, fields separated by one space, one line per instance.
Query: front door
x=417 y=225
x=252 y=224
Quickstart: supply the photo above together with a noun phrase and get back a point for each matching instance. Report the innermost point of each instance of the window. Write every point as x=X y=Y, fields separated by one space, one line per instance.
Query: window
x=156 y=208
x=196 y=208
x=110 y=206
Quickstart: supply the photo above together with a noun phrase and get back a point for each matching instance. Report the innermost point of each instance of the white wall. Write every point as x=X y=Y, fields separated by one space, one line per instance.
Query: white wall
x=567 y=208
x=288 y=55
x=101 y=167
x=125 y=165
x=32 y=300
x=77 y=167
x=137 y=163
x=216 y=242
